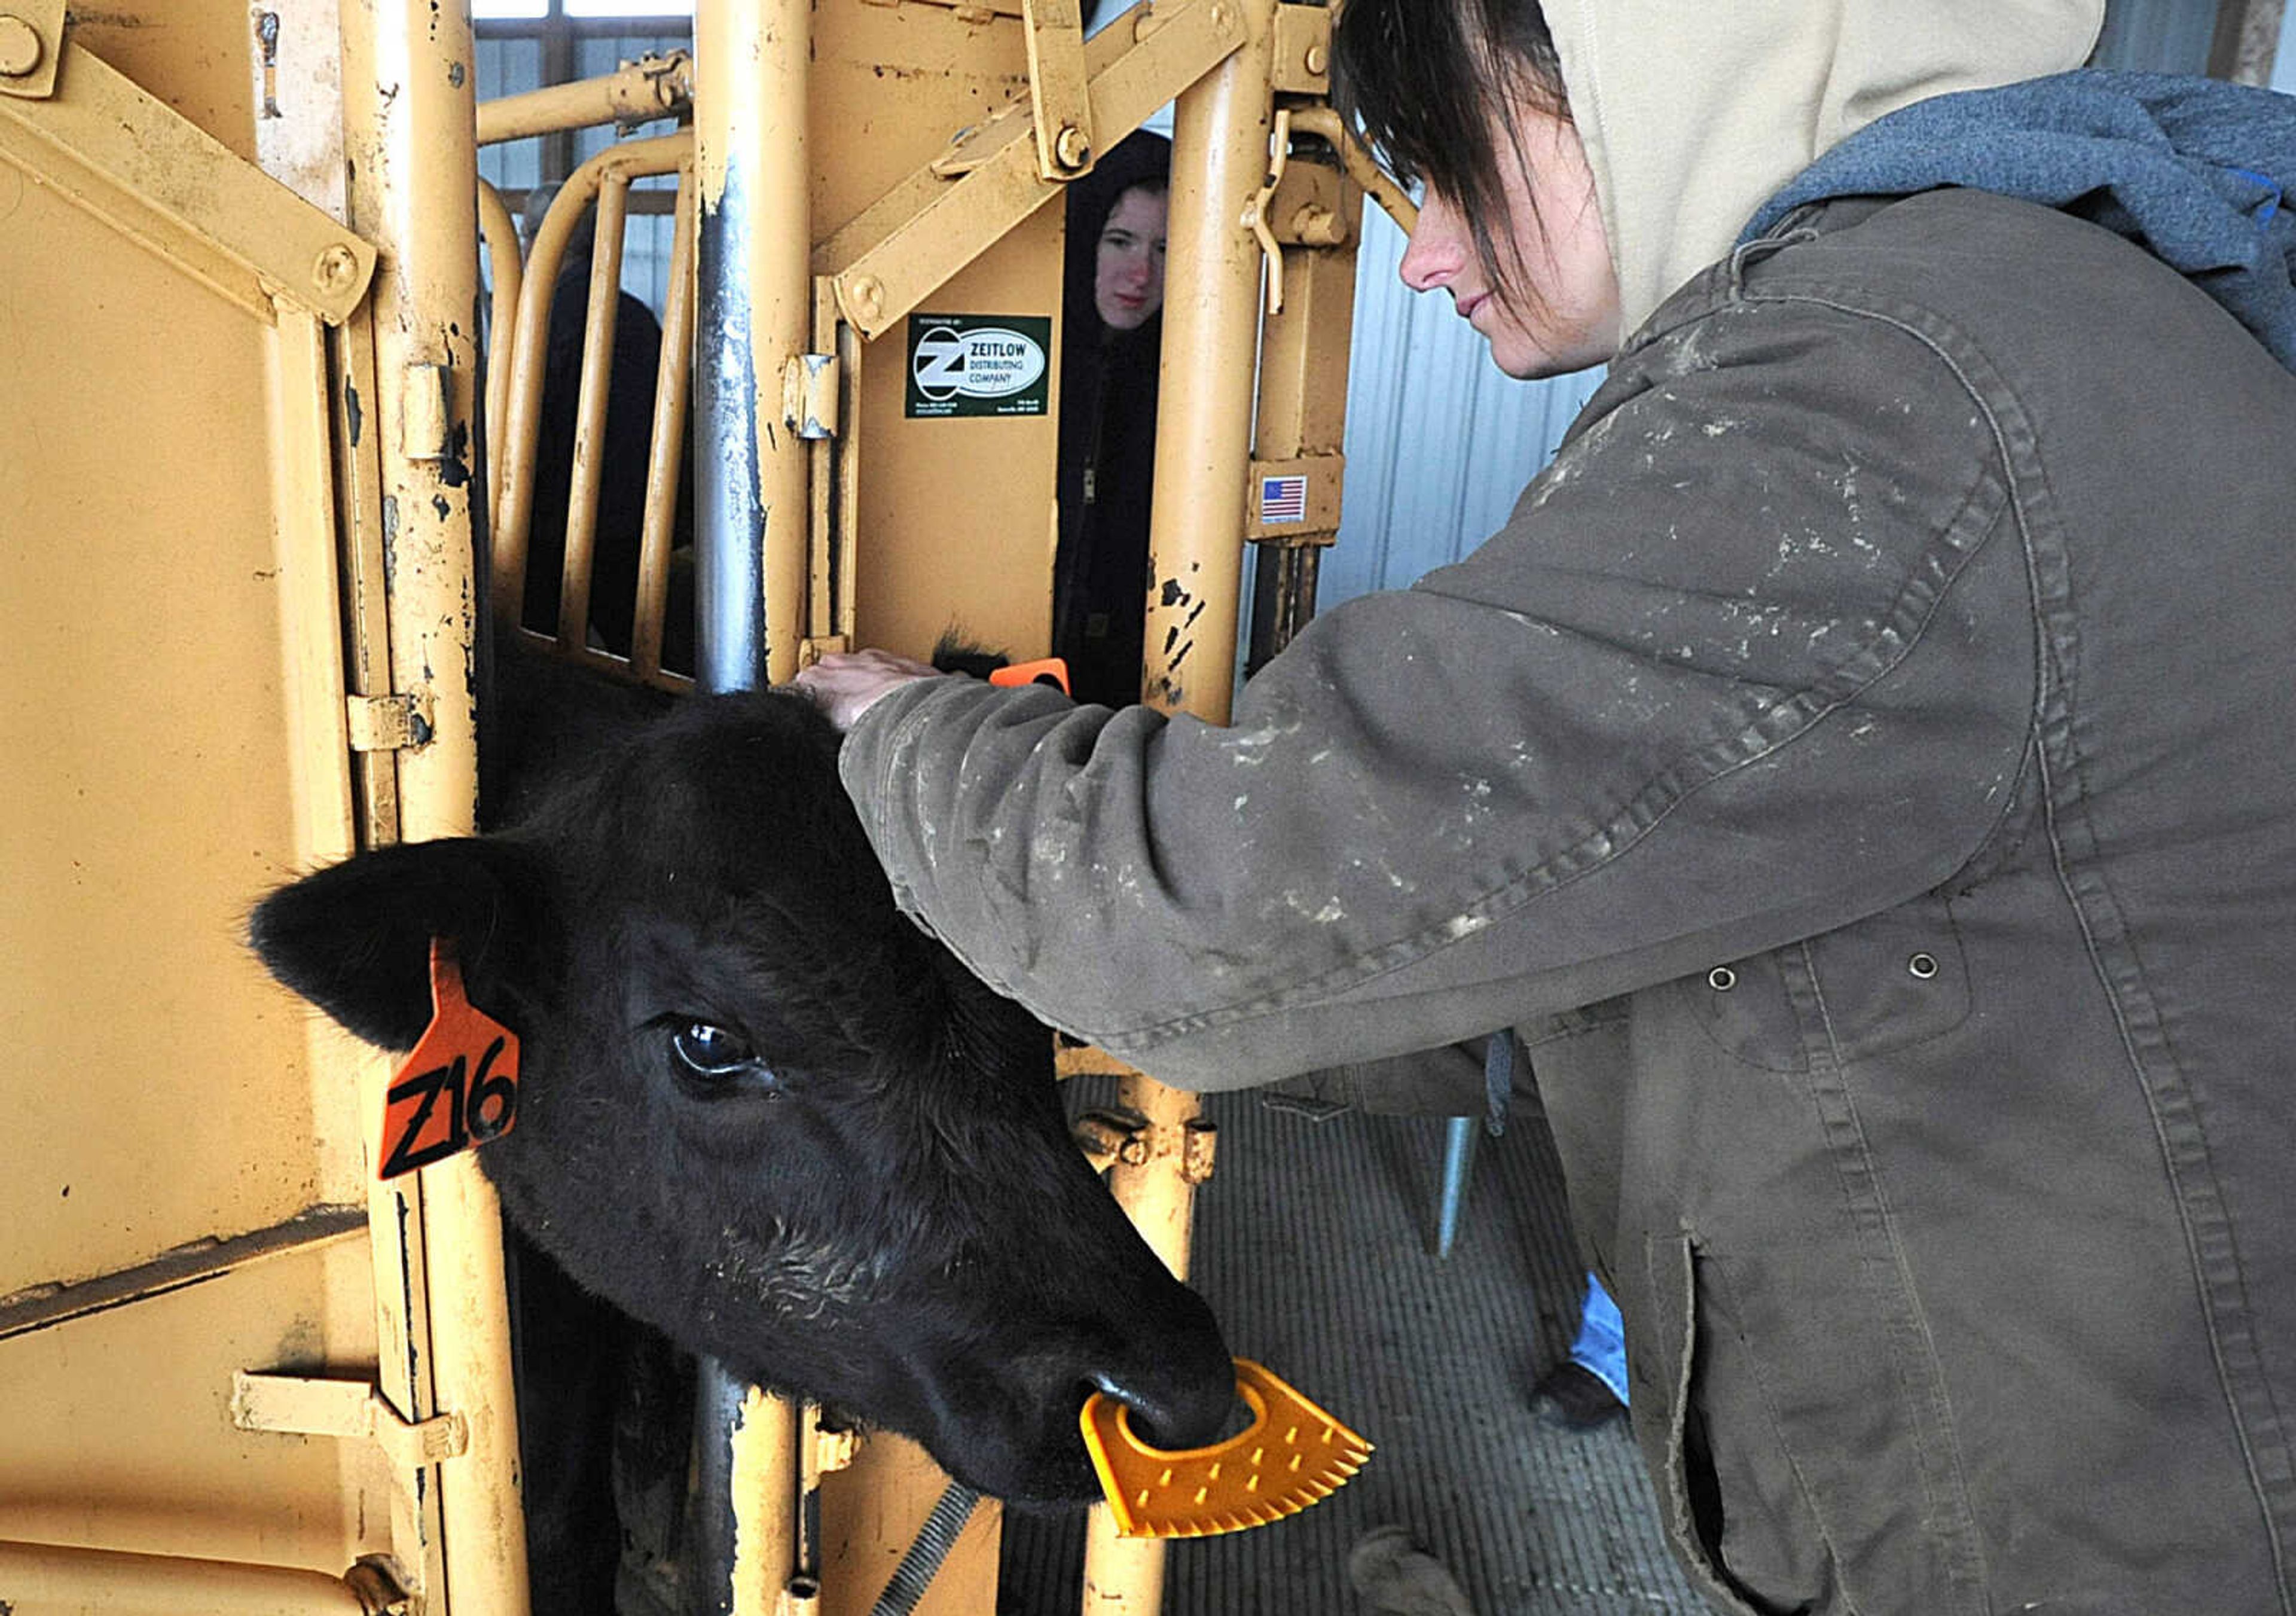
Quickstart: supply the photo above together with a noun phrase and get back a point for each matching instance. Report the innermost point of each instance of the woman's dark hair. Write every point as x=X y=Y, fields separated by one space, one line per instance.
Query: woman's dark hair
x=1141 y=161
x=1431 y=83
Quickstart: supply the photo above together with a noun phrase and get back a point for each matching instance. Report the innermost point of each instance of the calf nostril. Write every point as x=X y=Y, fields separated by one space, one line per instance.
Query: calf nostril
x=1183 y=1416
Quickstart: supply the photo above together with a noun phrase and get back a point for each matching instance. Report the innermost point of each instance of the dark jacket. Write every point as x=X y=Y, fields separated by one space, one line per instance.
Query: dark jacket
x=1107 y=448
x=1862 y=770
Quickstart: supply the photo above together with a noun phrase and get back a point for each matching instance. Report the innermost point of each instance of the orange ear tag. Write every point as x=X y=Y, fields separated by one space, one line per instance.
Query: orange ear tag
x=459 y=1087
x=1291 y=1455
x=1046 y=670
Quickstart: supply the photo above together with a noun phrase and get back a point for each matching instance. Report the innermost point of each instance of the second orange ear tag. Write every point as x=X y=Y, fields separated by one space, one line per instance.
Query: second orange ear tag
x=458 y=1088
x=1045 y=670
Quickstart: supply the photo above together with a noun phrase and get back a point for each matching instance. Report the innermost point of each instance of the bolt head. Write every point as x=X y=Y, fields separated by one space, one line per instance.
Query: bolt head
x=1070 y=148
x=869 y=296
x=336 y=269
x=21 y=50
x=1318 y=58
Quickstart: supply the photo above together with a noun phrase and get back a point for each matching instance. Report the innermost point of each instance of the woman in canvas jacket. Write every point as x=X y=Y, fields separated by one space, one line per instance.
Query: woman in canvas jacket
x=1861 y=769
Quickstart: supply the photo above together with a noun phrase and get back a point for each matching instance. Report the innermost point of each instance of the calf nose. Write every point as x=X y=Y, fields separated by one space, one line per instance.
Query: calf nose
x=1181 y=1389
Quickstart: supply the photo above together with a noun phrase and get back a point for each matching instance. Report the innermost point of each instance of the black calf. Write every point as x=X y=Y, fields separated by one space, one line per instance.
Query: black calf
x=764 y=1112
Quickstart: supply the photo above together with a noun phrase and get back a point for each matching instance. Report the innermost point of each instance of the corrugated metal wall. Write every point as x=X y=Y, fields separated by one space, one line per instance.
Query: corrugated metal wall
x=1440 y=441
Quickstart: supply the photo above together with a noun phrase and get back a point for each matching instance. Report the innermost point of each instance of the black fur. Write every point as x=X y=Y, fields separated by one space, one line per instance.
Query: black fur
x=884 y=1210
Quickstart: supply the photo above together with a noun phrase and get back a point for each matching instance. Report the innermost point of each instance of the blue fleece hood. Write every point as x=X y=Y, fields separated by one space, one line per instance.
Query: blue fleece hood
x=2193 y=170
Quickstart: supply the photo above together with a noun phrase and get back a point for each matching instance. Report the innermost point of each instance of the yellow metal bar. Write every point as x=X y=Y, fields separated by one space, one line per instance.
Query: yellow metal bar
x=651 y=87
x=752 y=164
x=310 y=1405
x=909 y=242
x=666 y=449
x=1204 y=427
x=590 y=409
x=1059 y=104
x=303 y=481
x=512 y=452
x=505 y=268
x=824 y=572
x=1325 y=125
x=753 y=178
x=767 y=1477
x=1203 y=435
x=45 y=1580
x=152 y=174
x=359 y=473
x=413 y=191
x=1301 y=422
x=850 y=352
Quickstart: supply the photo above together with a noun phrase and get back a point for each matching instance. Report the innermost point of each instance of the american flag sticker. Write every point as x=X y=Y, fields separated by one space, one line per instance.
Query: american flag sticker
x=1283 y=499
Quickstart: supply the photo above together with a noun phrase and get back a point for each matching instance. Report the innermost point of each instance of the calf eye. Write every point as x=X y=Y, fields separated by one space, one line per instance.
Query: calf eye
x=710 y=1051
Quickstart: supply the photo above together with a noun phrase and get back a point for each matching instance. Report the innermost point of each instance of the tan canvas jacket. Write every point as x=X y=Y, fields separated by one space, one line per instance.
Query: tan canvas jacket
x=1862 y=770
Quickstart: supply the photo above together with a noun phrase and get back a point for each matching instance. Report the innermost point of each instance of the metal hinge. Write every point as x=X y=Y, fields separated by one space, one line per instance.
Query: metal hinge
x=426 y=413
x=1302 y=61
x=298 y=1407
x=809 y=387
x=388 y=724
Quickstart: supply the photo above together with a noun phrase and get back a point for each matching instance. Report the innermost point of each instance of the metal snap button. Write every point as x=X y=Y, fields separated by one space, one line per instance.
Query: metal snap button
x=1721 y=979
x=1923 y=965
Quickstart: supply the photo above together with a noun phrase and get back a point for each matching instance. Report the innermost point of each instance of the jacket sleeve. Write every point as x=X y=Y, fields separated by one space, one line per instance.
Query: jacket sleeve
x=1753 y=659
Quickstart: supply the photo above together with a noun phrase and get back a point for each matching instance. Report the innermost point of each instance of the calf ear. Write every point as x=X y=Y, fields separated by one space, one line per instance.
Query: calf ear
x=355 y=939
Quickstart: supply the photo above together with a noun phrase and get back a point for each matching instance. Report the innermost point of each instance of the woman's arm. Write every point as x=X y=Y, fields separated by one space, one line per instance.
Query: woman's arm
x=1753 y=659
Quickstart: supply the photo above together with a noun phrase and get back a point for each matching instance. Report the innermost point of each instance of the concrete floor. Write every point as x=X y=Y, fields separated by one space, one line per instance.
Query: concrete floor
x=1313 y=1245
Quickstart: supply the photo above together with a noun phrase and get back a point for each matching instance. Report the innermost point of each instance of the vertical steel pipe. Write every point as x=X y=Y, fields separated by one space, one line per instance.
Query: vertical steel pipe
x=745 y=1494
x=512 y=449
x=1458 y=1162
x=1203 y=457
x=599 y=319
x=1203 y=421
x=410 y=134
x=752 y=167
x=753 y=279
x=506 y=266
x=665 y=449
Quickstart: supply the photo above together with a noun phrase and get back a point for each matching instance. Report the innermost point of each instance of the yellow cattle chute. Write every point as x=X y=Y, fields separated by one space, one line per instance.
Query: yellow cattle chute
x=247 y=468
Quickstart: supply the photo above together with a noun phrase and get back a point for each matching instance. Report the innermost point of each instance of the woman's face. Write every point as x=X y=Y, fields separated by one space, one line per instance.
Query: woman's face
x=1569 y=319
x=1128 y=283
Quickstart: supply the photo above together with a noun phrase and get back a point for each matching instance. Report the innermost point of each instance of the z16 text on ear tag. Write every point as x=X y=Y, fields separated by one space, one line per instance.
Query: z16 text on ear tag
x=459 y=1087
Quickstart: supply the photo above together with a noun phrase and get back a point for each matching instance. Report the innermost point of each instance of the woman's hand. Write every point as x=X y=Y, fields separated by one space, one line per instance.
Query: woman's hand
x=845 y=684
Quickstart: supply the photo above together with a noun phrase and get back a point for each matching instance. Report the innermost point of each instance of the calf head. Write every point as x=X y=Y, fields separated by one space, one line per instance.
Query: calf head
x=763 y=1111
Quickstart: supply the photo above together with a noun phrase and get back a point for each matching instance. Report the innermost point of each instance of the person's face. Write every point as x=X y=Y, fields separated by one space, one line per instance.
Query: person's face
x=1128 y=283
x=1571 y=320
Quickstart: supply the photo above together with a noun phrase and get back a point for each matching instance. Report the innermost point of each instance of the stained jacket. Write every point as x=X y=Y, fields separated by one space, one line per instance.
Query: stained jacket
x=1861 y=769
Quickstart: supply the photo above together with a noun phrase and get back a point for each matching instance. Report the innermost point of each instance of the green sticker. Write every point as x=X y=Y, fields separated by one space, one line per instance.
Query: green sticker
x=980 y=365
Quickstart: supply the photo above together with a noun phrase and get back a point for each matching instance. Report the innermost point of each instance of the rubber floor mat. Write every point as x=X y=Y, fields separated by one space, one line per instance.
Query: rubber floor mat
x=1314 y=1244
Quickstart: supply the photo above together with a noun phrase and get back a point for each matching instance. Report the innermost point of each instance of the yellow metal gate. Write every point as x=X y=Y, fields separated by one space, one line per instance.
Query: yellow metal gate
x=245 y=465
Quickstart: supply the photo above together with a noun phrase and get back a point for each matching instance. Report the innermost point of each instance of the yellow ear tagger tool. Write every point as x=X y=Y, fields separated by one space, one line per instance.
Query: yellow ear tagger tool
x=1292 y=1455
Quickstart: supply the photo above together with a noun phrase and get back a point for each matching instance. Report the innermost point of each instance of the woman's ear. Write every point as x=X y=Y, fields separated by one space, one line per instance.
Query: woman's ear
x=355 y=939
